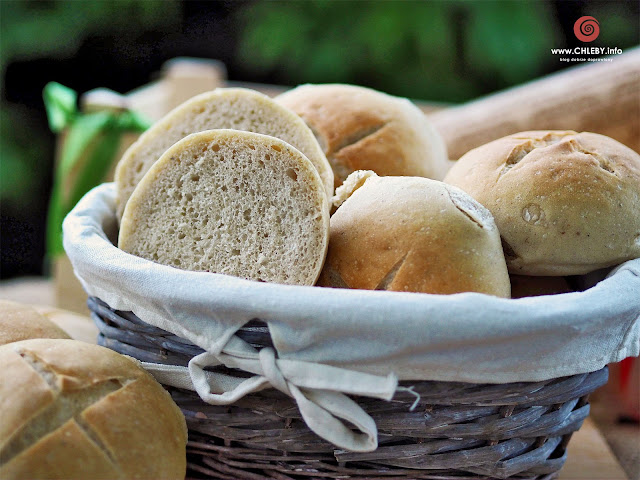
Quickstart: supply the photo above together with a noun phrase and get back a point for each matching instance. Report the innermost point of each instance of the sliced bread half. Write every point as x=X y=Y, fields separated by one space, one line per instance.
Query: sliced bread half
x=232 y=108
x=232 y=202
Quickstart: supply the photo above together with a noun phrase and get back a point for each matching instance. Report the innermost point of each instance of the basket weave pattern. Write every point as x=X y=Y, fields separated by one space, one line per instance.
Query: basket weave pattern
x=454 y=431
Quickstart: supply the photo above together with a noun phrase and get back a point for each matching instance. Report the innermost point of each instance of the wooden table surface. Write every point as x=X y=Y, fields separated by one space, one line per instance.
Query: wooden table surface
x=590 y=456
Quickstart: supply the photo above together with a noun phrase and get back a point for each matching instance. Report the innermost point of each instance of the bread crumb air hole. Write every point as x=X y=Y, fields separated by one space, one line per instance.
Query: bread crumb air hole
x=276 y=148
x=291 y=173
x=215 y=147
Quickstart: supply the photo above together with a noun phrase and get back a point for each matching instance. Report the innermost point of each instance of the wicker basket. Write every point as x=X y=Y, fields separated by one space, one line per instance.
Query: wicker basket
x=456 y=430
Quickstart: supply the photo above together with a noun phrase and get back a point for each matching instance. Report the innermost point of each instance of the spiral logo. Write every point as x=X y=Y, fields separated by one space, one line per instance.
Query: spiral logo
x=586 y=29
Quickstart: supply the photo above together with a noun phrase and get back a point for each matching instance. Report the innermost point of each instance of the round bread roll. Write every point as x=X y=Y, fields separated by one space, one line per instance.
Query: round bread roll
x=565 y=203
x=71 y=410
x=21 y=322
x=233 y=108
x=413 y=234
x=231 y=202
x=80 y=327
x=363 y=129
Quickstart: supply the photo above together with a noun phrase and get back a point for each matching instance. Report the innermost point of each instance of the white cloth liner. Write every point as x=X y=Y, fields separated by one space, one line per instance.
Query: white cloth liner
x=332 y=342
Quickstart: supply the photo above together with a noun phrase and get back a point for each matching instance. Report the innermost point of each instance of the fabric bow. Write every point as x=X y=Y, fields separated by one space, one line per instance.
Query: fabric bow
x=320 y=391
x=91 y=143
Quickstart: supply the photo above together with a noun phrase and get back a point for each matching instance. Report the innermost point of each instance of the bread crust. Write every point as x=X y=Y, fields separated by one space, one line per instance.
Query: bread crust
x=223 y=108
x=131 y=428
x=417 y=235
x=363 y=129
x=565 y=203
x=21 y=322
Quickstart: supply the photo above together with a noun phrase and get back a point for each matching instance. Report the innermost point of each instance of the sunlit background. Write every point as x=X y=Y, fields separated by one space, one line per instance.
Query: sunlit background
x=441 y=51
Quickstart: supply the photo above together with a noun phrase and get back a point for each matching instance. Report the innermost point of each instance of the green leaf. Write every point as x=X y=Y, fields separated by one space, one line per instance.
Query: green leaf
x=84 y=129
x=60 y=104
x=94 y=172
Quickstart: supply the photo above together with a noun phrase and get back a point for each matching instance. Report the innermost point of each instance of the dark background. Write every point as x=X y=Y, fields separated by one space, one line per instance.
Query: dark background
x=444 y=51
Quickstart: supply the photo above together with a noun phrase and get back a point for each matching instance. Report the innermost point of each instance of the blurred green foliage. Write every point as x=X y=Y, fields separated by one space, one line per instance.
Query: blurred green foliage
x=55 y=29
x=34 y=29
x=20 y=155
x=448 y=51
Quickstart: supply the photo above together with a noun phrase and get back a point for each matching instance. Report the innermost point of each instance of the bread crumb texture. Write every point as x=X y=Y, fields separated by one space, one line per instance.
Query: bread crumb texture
x=565 y=203
x=223 y=108
x=231 y=202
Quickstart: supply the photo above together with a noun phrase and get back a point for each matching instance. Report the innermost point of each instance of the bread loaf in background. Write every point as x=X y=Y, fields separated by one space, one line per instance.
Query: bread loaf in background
x=232 y=202
x=230 y=108
x=22 y=322
x=600 y=97
x=565 y=203
x=71 y=410
x=413 y=234
x=363 y=129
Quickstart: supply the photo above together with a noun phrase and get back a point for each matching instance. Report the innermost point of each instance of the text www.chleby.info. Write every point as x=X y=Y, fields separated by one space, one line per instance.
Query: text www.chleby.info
x=585 y=54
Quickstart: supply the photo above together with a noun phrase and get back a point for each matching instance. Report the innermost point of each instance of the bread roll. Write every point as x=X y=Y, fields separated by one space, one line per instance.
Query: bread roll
x=413 y=234
x=71 y=410
x=565 y=203
x=234 y=108
x=231 y=202
x=21 y=322
x=80 y=327
x=362 y=129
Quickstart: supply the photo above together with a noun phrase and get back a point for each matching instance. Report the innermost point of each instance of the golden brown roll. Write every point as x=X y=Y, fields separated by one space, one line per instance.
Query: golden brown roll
x=413 y=234
x=71 y=410
x=565 y=203
x=21 y=322
x=362 y=129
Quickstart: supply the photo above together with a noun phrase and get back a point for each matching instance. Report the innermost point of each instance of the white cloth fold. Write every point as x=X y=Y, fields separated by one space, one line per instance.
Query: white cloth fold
x=317 y=389
x=328 y=342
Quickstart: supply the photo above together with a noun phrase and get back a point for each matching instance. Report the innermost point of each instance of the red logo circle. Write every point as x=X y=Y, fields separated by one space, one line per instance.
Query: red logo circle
x=586 y=29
